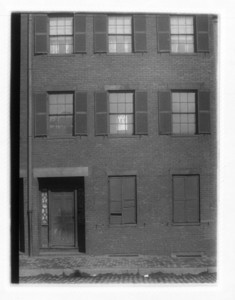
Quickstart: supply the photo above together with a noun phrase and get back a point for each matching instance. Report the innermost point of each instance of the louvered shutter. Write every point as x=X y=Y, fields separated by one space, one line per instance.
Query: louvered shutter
x=163 y=33
x=40 y=106
x=128 y=200
x=40 y=30
x=191 y=198
x=140 y=41
x=81 y=113
x=203 y=112
x=115 y=192
x=101 y=113
x=100 y=34
x=202 y=33
x=79 y=34
x=141 y=112
x=165 y=120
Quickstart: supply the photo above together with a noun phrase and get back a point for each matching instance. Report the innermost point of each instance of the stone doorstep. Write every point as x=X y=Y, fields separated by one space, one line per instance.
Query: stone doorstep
x=97 y=271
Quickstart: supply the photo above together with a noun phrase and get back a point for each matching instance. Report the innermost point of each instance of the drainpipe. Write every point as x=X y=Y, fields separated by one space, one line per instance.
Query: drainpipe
x=29 y=133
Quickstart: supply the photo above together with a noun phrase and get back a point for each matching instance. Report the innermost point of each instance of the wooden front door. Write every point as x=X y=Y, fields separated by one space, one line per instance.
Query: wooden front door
x=62 y=218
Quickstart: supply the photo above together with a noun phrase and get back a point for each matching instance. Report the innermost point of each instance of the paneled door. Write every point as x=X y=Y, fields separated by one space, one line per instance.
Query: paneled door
x=62 y=219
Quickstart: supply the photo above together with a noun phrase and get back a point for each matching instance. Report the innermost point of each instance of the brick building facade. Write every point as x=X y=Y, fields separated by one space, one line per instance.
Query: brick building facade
x=118 y=133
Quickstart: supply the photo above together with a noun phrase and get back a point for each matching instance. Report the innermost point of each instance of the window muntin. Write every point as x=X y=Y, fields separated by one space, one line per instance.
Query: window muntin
x=183 y=113
x=122 y=195
x=61 y=114
x=61 y=35
x=120 y=34
x=182 y=34
x=121 y=113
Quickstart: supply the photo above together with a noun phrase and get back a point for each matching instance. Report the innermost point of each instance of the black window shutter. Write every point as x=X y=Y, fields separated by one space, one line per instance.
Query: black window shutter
x=164 y=103
x=81 y=113
x=163 y=33
x=203 y=112
x=80 y=34
x=141 y=112
x=100 y=34
x=40 y=29
x=202 y=33
x=40 y=108
x=101 y=113
x=140 y=41
x=178 y=199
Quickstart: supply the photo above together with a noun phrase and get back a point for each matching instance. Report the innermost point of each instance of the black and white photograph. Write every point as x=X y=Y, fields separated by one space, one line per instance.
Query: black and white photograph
x=114 y=122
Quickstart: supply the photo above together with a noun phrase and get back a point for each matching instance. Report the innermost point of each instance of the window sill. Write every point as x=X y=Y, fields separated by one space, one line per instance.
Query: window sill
x=185 y=224
x=122 y=225
x=59 y=137
x=135 y=136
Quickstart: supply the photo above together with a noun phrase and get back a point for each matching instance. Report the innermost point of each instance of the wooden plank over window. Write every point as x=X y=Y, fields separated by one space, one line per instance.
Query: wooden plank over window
x=100 y=33
x=186 y=199
x=202 y=33
x=140 y=40
x=101 y=113
x=40 y=105
x=141 y=112
x=204 y=112
x=81 y=113
x=165 y=121
x=79 y=33
x=163 y=33
x=40 y=30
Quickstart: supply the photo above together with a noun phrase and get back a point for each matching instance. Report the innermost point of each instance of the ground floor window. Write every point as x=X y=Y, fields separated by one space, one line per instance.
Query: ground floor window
x=186 y=206
x=122 y=196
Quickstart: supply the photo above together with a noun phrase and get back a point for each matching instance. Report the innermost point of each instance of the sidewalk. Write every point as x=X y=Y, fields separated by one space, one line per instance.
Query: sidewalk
x=93 y=265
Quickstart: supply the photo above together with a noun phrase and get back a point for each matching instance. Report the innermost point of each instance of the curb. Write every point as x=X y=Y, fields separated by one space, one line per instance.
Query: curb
x=95 y=272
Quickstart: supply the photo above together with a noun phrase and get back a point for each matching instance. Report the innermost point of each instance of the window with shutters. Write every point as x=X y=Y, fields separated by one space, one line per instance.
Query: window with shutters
x=184 y=112
x=121 y=113
x=186 y=199
x=61 y=35
x=182 y=34
x=120 y=34
x=122 y=197
x=60 y=114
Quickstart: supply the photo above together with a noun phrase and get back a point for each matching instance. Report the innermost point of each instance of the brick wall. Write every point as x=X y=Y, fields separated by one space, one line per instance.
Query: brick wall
x=154 y=157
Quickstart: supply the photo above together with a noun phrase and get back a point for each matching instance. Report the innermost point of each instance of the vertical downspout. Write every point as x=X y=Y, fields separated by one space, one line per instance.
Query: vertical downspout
x=29 y=133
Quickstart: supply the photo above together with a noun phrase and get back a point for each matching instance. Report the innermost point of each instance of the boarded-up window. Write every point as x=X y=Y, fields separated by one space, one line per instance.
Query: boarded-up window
x=186 y=195
x=122 y=195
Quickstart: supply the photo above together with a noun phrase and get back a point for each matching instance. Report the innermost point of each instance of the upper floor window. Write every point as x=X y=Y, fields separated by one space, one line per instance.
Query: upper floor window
x=60 y=114
x=120 y=34
x=182 y=34
x=121 y=113
x=183 y=112
x=61 y=35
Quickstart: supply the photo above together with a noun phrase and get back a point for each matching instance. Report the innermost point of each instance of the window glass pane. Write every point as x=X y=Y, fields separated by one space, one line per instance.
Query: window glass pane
x=176 y=107
x=176 y=128
x=121 y=107
x=113 y=107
